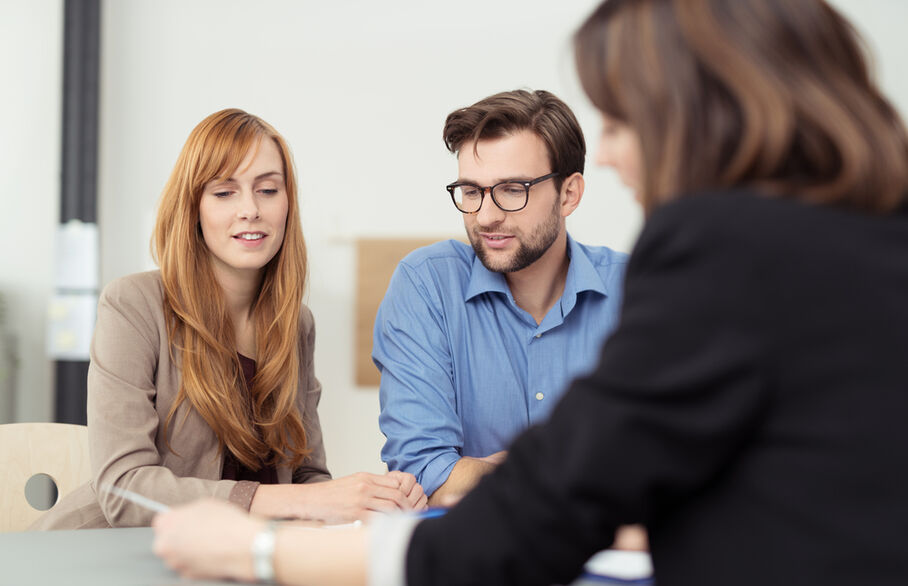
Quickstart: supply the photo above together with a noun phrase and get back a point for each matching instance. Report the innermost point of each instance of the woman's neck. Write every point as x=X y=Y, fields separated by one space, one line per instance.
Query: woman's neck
x=240 y=291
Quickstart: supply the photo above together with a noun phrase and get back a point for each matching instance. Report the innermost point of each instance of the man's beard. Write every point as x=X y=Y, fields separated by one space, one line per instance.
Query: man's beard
x=529 y=250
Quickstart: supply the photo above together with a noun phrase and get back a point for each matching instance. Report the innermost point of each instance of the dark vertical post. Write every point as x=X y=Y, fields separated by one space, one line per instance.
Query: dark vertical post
x=78 y=197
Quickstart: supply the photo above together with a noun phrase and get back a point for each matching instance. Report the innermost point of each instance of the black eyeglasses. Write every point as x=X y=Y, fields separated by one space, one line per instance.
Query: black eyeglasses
x=509 y=196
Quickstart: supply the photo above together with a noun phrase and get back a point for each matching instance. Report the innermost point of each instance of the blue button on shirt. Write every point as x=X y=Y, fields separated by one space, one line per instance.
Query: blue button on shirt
x=464 y=369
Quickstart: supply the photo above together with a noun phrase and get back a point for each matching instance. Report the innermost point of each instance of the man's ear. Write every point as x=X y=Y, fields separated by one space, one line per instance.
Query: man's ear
x=571 y=193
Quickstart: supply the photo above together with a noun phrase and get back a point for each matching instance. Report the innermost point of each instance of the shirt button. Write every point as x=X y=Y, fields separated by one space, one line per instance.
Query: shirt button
x=538 y=335
x=540 y=396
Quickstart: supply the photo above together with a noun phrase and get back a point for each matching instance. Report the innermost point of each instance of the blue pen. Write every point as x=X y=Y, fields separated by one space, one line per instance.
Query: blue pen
x=432 y=512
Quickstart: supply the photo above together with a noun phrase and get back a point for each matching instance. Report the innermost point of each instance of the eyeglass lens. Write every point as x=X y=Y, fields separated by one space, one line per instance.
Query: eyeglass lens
x=508 y=196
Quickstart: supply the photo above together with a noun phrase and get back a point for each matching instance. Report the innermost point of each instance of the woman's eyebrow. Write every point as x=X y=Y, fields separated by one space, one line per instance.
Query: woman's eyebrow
x=265 y=175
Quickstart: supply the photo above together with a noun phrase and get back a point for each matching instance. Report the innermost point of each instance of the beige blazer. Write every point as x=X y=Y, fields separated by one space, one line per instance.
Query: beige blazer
x=132 y=384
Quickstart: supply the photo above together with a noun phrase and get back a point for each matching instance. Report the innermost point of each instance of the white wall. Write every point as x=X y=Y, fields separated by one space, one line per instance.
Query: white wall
x=360 y=89
x=30 y=87
x=882 y=25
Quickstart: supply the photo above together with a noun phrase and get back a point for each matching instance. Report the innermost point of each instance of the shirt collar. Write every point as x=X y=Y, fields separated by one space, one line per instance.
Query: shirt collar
x=581 y=276
x=482 y=280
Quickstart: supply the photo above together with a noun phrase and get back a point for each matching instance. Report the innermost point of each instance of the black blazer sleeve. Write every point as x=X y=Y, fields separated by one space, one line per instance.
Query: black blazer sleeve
x=679 y=387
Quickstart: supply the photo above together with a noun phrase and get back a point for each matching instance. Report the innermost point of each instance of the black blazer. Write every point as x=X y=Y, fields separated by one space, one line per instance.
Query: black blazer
x=751 y=409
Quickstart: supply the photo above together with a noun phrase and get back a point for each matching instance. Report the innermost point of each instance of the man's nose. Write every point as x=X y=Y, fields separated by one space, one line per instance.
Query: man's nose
x=489 y=214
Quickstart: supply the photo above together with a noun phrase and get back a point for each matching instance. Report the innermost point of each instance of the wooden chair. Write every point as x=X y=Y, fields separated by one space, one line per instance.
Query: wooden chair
x=57 y=449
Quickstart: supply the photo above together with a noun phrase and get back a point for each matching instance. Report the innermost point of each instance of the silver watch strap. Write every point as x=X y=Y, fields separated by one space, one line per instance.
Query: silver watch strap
x=263 y=553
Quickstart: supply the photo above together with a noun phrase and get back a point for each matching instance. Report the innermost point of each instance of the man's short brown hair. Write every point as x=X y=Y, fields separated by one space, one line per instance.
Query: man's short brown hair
x=505 y=113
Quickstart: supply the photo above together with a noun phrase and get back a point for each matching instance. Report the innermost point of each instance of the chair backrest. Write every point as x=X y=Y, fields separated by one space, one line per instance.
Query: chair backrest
x=59 y=450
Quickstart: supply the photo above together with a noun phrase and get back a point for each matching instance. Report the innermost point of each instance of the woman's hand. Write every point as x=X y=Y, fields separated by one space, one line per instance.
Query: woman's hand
x=356 y=496
x=413 y=490
x=343 y=500
x=211 y=539
x=207 y=539
x=631 y=537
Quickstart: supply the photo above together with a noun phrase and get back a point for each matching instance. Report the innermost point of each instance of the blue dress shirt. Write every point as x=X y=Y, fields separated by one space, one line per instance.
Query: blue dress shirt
x=464 y=369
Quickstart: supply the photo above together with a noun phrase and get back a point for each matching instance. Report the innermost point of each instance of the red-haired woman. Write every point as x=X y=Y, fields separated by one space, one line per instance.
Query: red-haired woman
x=201 y=380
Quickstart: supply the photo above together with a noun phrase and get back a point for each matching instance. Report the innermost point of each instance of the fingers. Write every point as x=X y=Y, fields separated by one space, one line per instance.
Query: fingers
x=631 y=537
x=350 y=498
x=406 y=481
x=397 y=487
x=392 y=499
x=165 y=544
x=417 y=497
x=388 y=480
x=411 y=489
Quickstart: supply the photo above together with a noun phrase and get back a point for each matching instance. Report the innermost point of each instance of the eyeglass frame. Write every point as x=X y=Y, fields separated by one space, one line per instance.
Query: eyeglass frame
x=491 y=188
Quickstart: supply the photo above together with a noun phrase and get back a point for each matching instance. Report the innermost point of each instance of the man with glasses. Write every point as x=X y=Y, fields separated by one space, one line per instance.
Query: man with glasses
x=476 y=343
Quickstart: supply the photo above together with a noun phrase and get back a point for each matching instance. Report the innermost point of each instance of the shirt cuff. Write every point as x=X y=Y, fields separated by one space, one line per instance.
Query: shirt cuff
x=242 y=492
x=389 y=539
x=436 y=472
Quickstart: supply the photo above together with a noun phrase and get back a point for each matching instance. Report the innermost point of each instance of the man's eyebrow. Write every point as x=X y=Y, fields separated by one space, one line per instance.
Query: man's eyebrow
x=520 y=178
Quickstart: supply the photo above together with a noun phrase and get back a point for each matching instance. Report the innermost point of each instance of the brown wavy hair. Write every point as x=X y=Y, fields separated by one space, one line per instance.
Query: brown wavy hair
x=268 y=429
x=774 y=94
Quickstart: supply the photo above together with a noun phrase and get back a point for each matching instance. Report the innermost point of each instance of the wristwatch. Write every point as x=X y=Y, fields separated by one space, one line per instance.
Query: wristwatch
x=263 y=553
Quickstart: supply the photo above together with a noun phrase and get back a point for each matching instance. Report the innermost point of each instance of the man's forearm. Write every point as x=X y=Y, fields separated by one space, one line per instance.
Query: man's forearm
x=464 y=476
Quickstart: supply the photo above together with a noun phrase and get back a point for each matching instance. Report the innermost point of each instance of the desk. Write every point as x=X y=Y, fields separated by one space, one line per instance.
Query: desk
x=98 y=557
x=88 y=557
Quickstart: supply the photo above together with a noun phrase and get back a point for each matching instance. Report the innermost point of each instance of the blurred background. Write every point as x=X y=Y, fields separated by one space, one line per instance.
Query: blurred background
x=360 y=90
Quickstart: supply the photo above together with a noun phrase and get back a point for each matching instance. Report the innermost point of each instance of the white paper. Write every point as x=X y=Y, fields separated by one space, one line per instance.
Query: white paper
x=77 y=256
x=70 y=323
x=620 y=564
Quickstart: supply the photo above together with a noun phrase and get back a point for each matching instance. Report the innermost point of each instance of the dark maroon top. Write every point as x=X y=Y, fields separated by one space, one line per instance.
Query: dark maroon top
x=233 y=468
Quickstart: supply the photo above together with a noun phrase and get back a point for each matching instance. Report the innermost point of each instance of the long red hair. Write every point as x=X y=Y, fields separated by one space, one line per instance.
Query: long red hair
x=199 y=326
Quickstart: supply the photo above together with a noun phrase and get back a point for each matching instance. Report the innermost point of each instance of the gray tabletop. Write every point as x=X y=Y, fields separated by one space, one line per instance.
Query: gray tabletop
x=88 y=557
x=102 y=557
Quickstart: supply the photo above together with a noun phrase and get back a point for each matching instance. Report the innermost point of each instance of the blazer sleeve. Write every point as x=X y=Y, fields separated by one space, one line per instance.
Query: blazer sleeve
x=314 y=468
x=123 y=422
x=678 y=390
